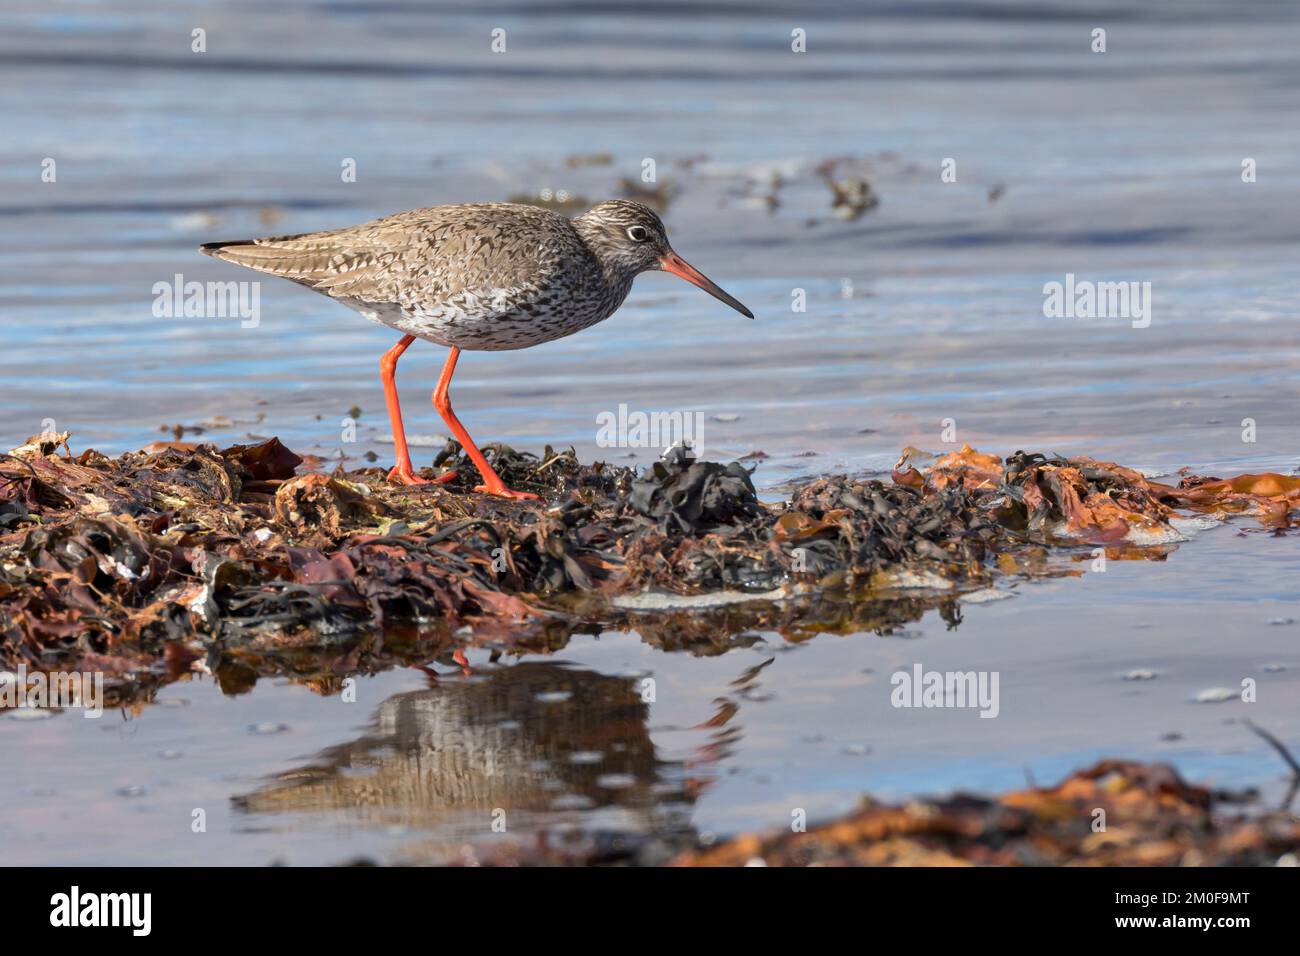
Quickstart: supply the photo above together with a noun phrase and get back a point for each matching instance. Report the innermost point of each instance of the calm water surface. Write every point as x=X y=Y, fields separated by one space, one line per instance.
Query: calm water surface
x=1117 y=166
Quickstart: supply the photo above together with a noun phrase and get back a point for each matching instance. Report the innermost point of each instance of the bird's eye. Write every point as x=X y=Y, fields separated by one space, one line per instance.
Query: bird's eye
x=638 y=233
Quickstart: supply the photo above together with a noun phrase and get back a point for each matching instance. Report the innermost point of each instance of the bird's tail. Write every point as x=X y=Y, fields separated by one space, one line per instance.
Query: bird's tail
x=264 y=255
x=309 y=258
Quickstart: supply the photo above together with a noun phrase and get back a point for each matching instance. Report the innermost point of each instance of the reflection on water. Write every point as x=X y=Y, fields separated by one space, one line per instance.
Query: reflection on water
x=537 y=747
x=322 y=664
x=534 y=739
x=743 y=727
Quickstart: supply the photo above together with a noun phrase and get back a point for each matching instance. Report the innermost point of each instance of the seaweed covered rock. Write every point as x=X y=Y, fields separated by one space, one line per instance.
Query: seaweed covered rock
x=858 y=528
x=157 y=557
x=690 y=496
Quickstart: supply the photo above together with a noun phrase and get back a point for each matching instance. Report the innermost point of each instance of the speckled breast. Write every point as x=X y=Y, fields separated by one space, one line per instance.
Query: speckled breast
x=498 y=320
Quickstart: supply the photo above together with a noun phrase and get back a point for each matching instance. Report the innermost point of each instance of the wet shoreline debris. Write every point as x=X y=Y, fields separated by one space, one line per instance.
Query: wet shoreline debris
x=1115 y=813
x=146 y=564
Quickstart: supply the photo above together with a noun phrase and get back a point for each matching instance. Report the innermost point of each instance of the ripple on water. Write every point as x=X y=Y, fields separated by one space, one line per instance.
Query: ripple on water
x=268 y=727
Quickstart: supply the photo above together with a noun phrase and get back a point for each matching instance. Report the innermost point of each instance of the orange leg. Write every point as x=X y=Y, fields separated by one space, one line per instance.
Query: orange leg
x=492 y=483
x=402 y=472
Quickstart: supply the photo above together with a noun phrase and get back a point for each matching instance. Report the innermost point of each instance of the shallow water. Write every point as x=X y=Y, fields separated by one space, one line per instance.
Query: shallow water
x=414 y=769
x=1117 y=166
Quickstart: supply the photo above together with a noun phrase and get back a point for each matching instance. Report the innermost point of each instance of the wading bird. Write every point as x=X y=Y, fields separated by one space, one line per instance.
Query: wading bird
x=478 y=276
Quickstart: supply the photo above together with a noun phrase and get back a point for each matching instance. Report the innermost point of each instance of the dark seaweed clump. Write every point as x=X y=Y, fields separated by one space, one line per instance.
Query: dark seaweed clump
x=153 y=559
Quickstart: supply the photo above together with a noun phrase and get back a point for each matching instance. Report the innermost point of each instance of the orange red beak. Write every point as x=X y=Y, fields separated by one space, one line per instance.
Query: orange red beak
x=680 y=267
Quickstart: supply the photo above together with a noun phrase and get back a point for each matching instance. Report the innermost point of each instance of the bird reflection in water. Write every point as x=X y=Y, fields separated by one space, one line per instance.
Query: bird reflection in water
x=545 y=742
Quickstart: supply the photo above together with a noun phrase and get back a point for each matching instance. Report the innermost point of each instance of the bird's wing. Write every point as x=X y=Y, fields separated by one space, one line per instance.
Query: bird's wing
x=434 y=253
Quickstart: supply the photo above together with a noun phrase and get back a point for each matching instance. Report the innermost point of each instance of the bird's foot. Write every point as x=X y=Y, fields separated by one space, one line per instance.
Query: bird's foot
x=405 y=475
x=501 y=491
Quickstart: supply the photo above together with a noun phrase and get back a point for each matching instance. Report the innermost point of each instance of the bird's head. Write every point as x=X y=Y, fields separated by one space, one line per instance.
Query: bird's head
x=629 y=238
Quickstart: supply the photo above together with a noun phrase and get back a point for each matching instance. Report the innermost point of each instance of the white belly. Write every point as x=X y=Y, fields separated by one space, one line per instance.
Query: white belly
x=481 y=323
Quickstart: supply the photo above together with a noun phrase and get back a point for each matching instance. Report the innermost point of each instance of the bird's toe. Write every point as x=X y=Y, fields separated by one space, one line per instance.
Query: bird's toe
x=501 y=491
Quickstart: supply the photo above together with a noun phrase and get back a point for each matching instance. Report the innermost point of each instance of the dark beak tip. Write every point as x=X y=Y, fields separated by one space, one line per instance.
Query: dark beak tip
x=672 y=262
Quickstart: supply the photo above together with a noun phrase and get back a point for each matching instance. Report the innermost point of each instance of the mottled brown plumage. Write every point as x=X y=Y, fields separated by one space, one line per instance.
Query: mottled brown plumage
x=477 y=276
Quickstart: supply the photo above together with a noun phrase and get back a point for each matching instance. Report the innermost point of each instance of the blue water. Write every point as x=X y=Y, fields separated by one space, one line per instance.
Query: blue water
x=1123 y=165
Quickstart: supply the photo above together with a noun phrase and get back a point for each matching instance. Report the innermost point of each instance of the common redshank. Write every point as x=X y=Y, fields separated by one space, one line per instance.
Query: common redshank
x=478 y=276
